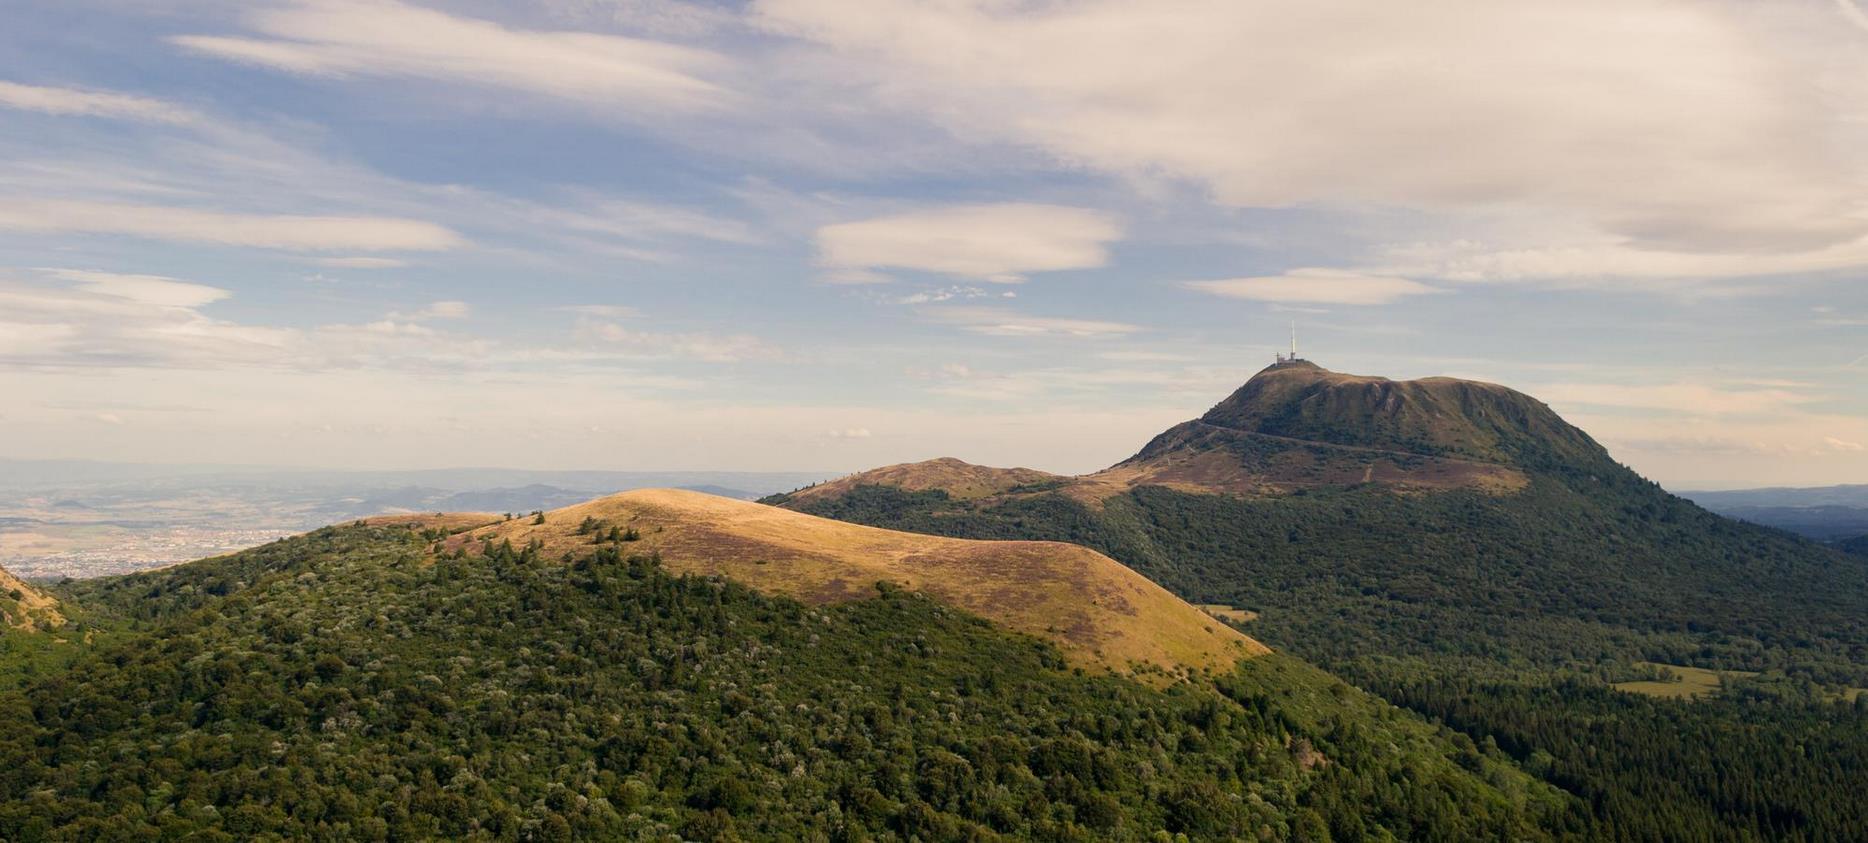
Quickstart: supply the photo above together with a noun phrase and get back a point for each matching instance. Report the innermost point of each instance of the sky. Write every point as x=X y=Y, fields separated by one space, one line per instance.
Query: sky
x=835 y=234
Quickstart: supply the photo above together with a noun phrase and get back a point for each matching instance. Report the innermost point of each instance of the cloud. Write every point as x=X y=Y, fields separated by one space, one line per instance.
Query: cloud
x=607 y=311
x=437 y=310
x=943 y=294
x=1316 y=286
x=1585 y=261
x=111 y=321
x=998 y=322
x=297 y=233
x=1842 y=445
x=1853 y=14
x=361 y=263
x=108 y=321
x=849 y=433
x=1686 y=398
x=145 y=289
x=388 y=39
x=998 y=243
x=1475 y=106
x=660 y=17
x=81 y=103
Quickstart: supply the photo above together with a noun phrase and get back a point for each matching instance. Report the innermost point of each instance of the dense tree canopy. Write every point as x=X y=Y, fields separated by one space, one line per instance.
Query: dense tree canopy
x=349 y=685
x=1507 y=616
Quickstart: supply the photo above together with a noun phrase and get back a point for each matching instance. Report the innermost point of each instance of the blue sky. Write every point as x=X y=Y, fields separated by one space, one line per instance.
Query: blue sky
x=828 y=234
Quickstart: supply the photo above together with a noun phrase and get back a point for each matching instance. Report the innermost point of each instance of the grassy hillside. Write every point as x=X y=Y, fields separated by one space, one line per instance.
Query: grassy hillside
x=349 y=684
x=24 y=607
x=1097 y=611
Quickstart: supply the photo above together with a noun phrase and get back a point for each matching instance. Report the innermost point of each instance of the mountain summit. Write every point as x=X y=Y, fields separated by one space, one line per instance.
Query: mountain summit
x=1296 y=425
x=1431 y=417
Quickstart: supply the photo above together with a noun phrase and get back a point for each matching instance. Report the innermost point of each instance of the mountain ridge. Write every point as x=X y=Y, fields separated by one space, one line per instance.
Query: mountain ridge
x=1297 y=426
x=1099 y=612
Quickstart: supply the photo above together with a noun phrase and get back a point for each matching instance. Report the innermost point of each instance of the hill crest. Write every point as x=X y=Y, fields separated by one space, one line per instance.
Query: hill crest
x=959 y=479
x=1096 y=610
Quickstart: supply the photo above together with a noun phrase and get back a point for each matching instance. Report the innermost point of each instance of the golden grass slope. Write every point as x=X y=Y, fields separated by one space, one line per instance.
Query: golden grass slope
x=29 y=608
x=1098 y=612
x=449 y=521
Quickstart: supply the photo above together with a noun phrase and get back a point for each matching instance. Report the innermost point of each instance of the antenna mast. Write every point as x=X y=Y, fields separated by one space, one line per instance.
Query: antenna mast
x=1293 y=339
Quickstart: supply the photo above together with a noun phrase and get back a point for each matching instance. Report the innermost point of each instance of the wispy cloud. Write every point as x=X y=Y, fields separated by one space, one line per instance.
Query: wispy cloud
x=999 y=322
x=397 y=40
x=1316 y=286
x=290 y=232
x=1686 y=398
x=999 y=243
x=145 y=289
x=356 y=262
x=82 y=103
x=437 y=310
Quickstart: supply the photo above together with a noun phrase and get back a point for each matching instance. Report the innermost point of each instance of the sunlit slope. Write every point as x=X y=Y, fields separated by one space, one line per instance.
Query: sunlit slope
x=25 y=607
x=1097 y=611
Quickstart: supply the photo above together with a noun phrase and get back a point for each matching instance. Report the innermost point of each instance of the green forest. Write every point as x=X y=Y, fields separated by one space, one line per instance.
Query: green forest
x=1507 y=618
x=349 y=685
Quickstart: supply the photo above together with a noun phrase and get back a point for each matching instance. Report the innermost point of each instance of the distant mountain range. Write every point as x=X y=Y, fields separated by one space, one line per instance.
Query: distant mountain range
x=1824 y=513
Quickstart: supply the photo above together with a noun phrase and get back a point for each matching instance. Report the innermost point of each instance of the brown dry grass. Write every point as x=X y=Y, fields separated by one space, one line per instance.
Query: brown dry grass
x=428 y=520
x=1100 y=613
x=33 y=605
x=1229 y=613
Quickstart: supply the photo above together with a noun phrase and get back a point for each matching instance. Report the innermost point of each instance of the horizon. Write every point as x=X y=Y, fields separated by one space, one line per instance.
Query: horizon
x=750 y=236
